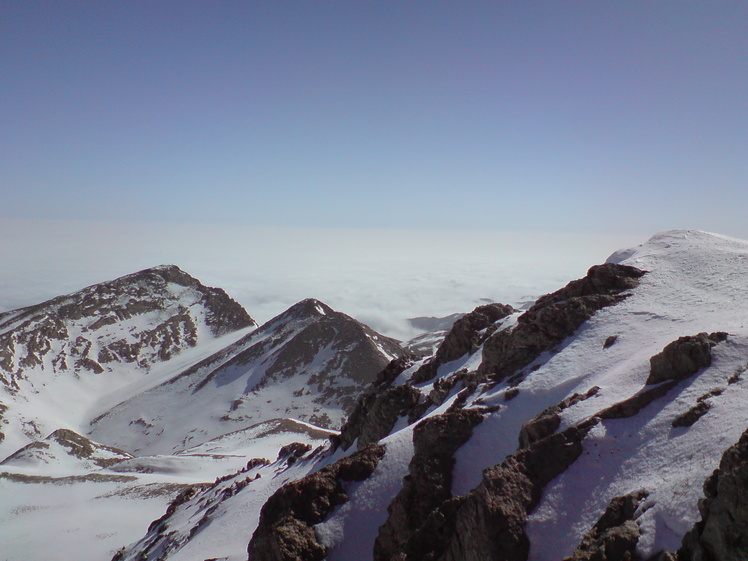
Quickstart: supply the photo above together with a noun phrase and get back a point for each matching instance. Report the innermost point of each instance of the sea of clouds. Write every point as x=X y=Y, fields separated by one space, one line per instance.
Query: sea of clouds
x=380 y=277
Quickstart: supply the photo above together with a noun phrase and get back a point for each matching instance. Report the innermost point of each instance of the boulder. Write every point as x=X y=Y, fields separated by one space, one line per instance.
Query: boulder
x=615 y=535
x=683 y=357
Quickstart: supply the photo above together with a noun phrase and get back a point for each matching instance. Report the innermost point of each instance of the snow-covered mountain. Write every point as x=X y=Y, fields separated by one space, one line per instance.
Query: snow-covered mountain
x=310 y=363
x=59 y=358
x=135 y=390
x=606 y=422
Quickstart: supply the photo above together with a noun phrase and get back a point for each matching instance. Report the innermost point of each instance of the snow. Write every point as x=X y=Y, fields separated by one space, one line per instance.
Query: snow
x=73 y=520
x=696 y=282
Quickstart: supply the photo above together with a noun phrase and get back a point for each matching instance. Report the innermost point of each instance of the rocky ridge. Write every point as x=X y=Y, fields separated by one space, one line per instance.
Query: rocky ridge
x=310 y=363
x=589 y=427
x=142 y=318
x=499 y=385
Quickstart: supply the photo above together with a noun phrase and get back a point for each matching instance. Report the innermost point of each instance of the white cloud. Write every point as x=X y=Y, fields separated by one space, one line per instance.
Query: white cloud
x=380 y=277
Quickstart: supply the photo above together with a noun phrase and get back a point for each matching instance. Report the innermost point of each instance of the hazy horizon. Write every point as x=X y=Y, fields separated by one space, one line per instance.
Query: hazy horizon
x=381 y=277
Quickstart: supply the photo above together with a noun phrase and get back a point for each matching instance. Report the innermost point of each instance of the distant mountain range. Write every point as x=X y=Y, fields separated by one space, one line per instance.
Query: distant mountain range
x=150 y=418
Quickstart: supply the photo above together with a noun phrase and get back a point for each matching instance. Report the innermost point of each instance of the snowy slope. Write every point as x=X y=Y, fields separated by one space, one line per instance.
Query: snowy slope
x=122 y=397
x=309 y=363
x=59 y=358
x=515 y=449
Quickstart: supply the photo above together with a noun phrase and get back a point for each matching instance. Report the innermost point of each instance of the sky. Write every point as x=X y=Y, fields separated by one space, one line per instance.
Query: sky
x=426 y=140
x=561 y=115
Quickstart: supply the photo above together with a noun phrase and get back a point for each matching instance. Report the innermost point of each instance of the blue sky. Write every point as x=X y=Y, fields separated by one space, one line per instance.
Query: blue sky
x=589 y=117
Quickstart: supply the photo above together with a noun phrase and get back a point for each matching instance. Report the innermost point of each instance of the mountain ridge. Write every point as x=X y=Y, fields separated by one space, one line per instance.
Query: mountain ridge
x=606 y=421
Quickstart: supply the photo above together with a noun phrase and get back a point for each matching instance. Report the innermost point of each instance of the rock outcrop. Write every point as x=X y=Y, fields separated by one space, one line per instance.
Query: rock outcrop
x=410 y=528
x=553 y=318
x=547 y=421
x=722 y=532
x=615 y=535
x=489 y=524
x=684 y=357
x=379 y=407
x=465 y=336
x=285 y=530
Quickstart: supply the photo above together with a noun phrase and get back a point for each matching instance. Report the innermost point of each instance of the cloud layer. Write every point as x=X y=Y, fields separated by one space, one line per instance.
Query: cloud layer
x=381 y=277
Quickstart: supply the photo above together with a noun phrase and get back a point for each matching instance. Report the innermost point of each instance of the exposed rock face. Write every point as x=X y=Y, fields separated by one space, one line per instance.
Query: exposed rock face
x=684 y=357
x=381 y=412
x=554 y=317
x=285 y=530
x=489 y=524
x=75 y=332
x=722 y=532
x=426 y=487
x=464 y=337
x=615 y=535
x=547 y=421
x=66 y=443
x=378 y=409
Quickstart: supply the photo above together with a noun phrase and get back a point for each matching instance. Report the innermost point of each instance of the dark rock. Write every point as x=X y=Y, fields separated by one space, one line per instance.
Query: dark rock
x=427 y=486
x=489 y=523
x=547 y=421
x=610 y=341
x=285 y=531
x=510 y=394
x=256 y=462
x=683 y=357
x=464 y=338
x=443 y=386
x=722 y=532
x=615 y=535
x=292 y=452
x=543 y=424
x=631 y=406
x=376 y=414
x=395 y=367
x=553 y=318
x=692 y=415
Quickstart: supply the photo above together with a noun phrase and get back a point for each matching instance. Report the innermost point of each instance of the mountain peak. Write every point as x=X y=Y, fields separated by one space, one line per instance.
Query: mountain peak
x=311 y=307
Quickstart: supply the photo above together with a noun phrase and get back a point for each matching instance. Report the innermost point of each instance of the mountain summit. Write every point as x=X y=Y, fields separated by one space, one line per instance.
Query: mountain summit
x=605 y=422
x=310 y=363
x=60 y=357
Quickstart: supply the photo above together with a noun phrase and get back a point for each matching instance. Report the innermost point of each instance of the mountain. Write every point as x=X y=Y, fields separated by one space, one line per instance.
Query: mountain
x=310 y=363
x=605 y=422
x=59 y=357
x=129 y=394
